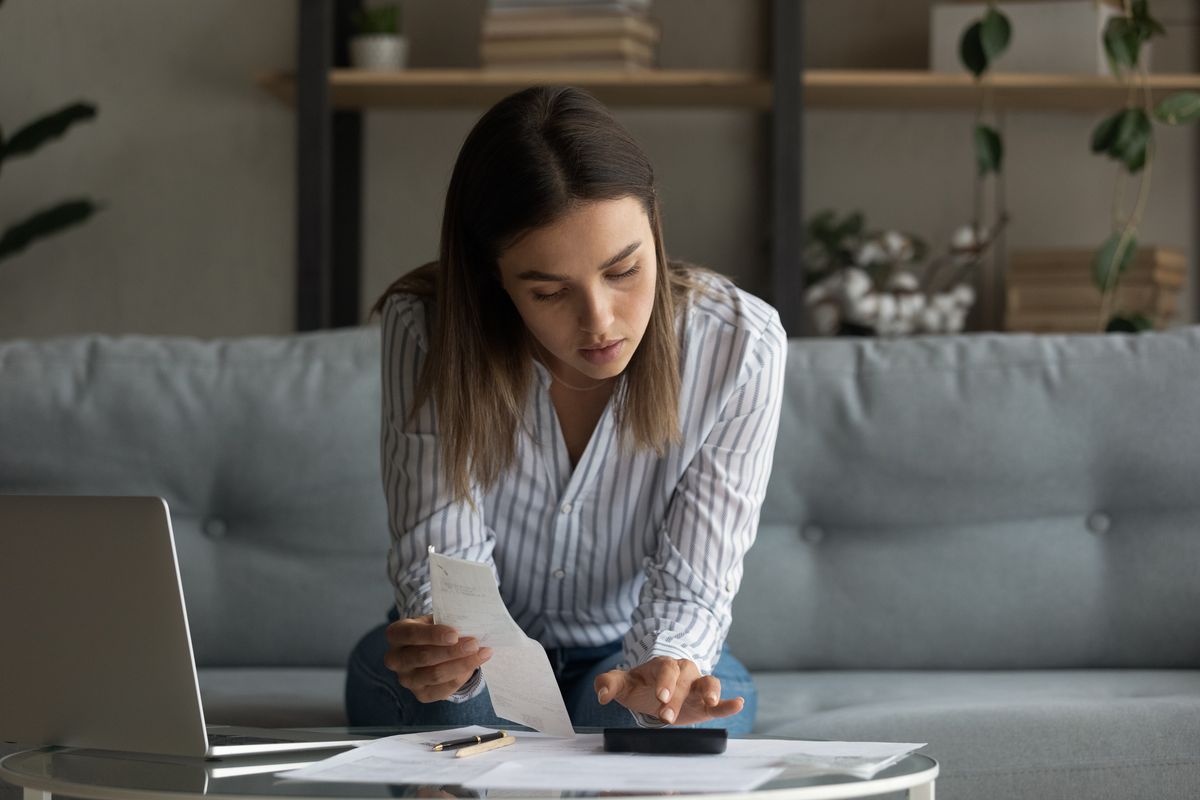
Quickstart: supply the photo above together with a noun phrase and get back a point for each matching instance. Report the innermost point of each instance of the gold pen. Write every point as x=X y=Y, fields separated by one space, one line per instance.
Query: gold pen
x=503 y=741
x=476 y=739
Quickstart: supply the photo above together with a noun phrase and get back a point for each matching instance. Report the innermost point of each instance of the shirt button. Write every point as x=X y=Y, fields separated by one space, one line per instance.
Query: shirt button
x=566 y=508
x=729 y=587
x=560 y=574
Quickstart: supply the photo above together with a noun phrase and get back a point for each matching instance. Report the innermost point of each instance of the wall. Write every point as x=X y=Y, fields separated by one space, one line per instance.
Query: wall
x=195 y=163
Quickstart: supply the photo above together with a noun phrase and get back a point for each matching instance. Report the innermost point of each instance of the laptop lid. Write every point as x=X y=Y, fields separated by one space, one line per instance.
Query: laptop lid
x=98 y=652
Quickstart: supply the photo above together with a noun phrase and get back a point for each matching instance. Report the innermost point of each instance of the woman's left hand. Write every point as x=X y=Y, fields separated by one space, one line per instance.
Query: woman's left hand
x=671 y=689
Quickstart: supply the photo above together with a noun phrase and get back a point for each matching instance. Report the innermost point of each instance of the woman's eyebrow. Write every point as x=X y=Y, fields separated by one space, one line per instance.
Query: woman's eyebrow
x=534 y=275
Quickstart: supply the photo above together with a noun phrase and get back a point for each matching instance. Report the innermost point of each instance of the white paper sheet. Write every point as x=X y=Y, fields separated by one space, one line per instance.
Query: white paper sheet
x=540 y=761
x=518 y=675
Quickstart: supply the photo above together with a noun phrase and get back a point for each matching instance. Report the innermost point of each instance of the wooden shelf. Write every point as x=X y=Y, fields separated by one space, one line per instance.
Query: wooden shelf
x=918 y=90
x=823 y=89
x=446 y=88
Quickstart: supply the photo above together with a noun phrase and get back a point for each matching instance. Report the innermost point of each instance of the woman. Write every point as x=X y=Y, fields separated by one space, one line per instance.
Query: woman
x=593 y=421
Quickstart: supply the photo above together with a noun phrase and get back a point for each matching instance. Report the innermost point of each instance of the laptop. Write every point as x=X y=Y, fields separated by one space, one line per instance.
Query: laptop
x=97 y=652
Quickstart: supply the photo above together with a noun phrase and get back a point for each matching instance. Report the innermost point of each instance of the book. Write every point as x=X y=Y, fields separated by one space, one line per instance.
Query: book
x=587 y=47
x=1079 y=261
x=510 y=6
x=596 y=64
x=546 y=27
x=1146 y=299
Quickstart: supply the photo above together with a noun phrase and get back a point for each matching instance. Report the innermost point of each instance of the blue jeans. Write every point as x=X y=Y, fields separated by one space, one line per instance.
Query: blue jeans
x=374 y=696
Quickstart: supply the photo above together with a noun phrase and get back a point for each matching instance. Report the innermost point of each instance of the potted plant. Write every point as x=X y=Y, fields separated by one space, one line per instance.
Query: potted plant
x=377 y=43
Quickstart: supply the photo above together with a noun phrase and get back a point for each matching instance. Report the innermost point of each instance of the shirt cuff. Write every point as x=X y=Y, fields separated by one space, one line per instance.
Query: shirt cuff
x=470 y=689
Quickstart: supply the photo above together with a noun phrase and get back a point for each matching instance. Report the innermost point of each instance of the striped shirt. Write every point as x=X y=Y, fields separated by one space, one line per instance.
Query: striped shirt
x=628 y=546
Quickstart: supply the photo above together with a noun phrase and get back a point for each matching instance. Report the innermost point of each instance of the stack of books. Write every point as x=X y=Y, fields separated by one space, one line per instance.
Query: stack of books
x=1051 y=291
x=569 y=34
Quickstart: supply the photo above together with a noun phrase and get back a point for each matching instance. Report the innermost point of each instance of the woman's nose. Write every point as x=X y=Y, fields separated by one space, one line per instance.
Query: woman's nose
x=596 y=315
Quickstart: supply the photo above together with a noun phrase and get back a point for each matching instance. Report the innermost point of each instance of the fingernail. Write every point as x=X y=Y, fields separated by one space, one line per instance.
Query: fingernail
x=603 y=693
x=669 y=715
x=449 y=638
x=712 y=699
x=485 y=653
x=664 y=695
x=470 y=647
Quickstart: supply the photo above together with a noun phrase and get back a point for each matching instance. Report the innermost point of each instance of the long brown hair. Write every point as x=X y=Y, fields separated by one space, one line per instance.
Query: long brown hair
x=528 y=160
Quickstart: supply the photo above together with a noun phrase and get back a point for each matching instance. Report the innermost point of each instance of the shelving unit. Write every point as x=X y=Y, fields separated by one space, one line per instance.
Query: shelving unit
x=329 y=102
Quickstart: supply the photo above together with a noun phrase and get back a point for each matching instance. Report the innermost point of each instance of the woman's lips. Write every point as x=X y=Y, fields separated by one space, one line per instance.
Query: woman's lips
x=604 y=355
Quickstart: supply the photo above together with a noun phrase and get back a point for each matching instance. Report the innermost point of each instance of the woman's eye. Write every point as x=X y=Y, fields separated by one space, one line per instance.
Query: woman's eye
x=627 y=274
x=541 y=297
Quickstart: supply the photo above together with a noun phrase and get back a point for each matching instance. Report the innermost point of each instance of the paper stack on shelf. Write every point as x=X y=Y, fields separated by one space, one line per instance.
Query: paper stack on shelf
x=1051 y=291
x=569 y=34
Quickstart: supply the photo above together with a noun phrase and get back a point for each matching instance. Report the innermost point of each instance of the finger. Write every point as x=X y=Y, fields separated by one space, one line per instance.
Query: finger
x=408 y=659
x=456 y=671
x=686 y=673
x=727 y=708
x=610 y=685
x=666 y=674
x=708 y=690
x=432 y=694
x=418 y=631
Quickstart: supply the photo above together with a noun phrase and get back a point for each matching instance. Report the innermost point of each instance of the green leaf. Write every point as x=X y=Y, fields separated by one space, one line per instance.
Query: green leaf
x=51 y=126
x=995 y=34
x=1179 y=108
x=1107 y=259
x=1129 y=323
x=1146 y=25
x=1133 y=137
x=1105 y=134
x=970 y=50
x=1121 y=42
x=989 y=149
x=44 y=223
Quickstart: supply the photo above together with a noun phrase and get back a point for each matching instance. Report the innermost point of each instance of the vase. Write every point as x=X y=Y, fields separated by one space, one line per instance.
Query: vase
x=379 y=52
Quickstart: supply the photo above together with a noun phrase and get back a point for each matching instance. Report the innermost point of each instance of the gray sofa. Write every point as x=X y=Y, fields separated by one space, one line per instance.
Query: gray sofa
x=986 y=542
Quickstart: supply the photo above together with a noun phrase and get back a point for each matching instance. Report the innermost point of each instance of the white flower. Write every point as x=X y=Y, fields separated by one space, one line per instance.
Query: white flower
x=943 y=302
x=955 y=320
x=870 y=253
x=964 y=295
x=864 y=309
x=909 y=305
x=897 y=245
x=903 y=282
x=931 y=319
x=855 y=284
x=963 y=239
x=887 y=308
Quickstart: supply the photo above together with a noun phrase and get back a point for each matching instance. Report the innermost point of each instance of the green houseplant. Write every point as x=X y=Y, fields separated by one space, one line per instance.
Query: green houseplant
x=378 y=42
x=56 y=218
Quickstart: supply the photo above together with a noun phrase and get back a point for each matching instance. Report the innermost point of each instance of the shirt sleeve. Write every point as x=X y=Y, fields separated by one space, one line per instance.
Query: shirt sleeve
x=421 y=511
x=684 y=609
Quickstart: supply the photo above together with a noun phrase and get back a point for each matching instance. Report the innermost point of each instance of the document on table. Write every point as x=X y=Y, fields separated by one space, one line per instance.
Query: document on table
x=539 y=761
x=518 y=675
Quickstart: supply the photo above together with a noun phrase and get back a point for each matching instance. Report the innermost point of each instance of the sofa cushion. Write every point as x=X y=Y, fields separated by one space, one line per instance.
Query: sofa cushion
x=273 y=697
x=980 y=502
x=1068 y=733
x=266 y=450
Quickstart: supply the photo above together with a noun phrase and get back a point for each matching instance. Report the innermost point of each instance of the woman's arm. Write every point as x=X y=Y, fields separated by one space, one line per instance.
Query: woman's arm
x=421 y=511
x=685 y=604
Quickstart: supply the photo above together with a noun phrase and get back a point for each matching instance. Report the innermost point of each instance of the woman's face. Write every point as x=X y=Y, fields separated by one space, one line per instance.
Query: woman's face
x=584 y=282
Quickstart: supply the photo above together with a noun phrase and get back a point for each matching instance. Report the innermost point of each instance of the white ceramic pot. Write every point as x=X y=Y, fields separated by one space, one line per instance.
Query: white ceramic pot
x=379 y=51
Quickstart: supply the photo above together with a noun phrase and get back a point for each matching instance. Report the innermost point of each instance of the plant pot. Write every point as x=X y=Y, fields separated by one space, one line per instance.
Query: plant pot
x=379 y=51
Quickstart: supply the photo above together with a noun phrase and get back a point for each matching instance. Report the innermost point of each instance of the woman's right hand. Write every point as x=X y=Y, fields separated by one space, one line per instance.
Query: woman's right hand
x=430 y=660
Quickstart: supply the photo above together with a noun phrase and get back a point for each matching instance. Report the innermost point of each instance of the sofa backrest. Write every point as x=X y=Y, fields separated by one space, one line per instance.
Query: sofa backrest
x=267 y=452
x=981 y=501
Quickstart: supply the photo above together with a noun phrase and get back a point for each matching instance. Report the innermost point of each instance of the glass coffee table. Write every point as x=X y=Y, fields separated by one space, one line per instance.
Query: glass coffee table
x=108 y=775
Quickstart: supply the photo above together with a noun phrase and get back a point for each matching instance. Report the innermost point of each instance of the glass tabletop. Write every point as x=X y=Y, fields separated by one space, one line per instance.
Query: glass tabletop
x=108 y=775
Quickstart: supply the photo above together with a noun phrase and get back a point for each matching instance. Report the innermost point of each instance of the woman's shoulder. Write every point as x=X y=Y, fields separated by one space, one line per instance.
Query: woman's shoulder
x=406 y=315
x=717 y=303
